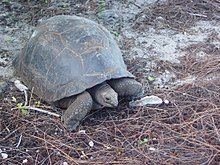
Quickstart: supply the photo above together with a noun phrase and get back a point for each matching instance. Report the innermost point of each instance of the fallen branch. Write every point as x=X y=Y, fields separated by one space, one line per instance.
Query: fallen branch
x=24 y=89
x=43 y=111
x=198 y=15
x=26 y=98
x=39 y=110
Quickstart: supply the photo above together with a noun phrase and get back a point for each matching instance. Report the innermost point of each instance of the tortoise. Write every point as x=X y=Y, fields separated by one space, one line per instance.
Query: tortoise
x=75 y=64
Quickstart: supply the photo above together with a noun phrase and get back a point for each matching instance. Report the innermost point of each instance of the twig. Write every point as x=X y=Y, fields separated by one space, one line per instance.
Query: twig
x=21 y=87
x=32 y=90
x=133 y=3
x=216 y=129
x=10 y=133
x=26 y=98
x=64 y=153
x=198 y=15
x=19 y=142
x=43 y=111
x=39 y=110
x=24 y=89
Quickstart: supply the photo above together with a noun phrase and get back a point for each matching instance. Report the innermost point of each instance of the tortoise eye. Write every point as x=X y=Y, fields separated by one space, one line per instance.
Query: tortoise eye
x=107 y=98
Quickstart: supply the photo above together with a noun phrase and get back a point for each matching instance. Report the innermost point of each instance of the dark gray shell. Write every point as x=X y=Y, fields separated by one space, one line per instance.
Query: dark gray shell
x=67 y=55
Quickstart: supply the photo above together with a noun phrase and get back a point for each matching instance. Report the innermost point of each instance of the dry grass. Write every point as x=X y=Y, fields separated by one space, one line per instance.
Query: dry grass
x=187 y=131
x=178 y=15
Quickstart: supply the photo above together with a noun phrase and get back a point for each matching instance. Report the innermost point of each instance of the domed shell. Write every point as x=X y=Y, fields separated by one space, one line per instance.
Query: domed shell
x=67 y=55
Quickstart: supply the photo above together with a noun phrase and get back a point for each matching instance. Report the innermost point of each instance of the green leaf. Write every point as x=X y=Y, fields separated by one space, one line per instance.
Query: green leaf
x=37 y=103
x=144 y=141
x=9 y=39
x=23 y=109
x=115 y=33
x=151 y=78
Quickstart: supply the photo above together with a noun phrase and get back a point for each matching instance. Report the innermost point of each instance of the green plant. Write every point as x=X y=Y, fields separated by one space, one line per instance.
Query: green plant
x=7 y=2
x=22 y=108
x=115 y=33
x=143 y=141
x=37 y=103
x=9 y=39
x=151 y=78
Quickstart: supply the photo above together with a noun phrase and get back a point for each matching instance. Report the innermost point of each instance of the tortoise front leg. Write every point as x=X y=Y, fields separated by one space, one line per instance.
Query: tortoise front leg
x=78 y=107
x=128 y=87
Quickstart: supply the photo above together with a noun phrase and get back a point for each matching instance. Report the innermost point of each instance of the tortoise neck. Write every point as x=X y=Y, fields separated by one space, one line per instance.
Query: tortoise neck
x=96 y=90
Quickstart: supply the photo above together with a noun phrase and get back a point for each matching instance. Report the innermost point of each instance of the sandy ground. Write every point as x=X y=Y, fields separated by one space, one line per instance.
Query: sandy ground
x=154 y=42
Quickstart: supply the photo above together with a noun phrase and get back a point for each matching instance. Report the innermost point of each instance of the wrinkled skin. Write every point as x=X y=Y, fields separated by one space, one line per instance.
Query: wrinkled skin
x=102 y=95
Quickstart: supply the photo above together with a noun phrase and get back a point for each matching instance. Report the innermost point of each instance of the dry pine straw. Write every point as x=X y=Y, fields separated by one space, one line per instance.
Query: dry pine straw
x=185 y=131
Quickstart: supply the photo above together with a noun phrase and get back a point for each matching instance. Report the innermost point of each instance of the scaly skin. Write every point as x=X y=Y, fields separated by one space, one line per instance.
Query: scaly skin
x=103 y=96
x=80 y=105
x=77 y=110
x=65 y=102
x=127 y=87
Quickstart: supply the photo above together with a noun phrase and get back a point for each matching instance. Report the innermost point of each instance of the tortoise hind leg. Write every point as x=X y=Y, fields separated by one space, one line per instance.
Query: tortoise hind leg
x=78 y=107
x=128 y=87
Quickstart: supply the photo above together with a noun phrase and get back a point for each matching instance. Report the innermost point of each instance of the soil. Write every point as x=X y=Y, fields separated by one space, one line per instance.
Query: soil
x=171 y=46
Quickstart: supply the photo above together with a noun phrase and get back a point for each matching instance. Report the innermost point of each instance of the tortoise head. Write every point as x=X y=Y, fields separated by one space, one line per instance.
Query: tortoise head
x=106 y=96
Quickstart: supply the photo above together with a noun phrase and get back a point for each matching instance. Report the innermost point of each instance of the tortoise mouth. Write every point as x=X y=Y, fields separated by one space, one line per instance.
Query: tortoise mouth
x=112 y=105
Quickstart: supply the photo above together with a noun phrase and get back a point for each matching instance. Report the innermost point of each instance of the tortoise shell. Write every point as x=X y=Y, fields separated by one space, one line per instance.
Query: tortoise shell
x=67 y=55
